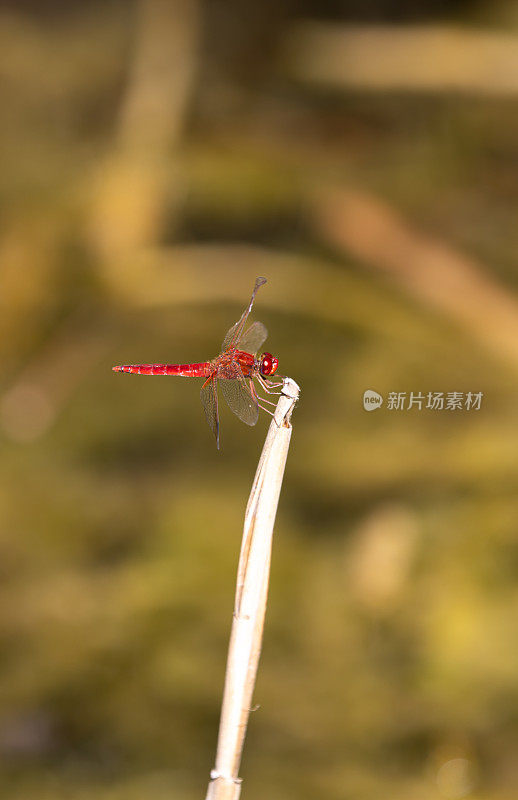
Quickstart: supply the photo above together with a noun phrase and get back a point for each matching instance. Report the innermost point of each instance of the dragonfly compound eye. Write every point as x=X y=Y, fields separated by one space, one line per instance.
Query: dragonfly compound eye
x=268 y=364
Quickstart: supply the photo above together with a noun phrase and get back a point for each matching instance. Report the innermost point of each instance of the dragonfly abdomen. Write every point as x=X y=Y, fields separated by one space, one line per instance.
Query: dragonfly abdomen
x=201 y=370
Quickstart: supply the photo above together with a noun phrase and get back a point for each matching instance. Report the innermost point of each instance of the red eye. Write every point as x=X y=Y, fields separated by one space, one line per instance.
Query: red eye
x=268 y=364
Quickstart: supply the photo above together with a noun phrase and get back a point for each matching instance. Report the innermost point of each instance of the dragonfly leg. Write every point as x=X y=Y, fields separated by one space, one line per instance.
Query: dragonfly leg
x=264 y=400
x=268 y=386
x=260 y=400
x=263 y=408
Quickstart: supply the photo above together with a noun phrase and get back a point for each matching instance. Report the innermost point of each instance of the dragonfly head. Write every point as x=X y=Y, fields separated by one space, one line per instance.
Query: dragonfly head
x=268 y=364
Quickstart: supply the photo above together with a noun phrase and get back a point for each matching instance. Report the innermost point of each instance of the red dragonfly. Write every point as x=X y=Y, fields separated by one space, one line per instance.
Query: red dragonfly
x=236 y=367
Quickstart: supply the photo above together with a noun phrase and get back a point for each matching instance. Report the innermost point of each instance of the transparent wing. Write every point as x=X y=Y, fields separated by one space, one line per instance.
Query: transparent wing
x=234 y=334
x=253 y=338
x=209 y=398
x=240 y=399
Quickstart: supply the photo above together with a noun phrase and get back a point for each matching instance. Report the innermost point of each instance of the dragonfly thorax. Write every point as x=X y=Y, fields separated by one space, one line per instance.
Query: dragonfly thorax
x=268 y=364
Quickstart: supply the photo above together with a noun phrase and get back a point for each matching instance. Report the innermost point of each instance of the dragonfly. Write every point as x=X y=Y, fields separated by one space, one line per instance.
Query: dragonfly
x=236 y=370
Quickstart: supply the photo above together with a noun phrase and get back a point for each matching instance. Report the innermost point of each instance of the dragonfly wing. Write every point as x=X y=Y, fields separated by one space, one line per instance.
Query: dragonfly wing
x=234 y=334
x=209 y=398
x=253 y=338
x=240 y=399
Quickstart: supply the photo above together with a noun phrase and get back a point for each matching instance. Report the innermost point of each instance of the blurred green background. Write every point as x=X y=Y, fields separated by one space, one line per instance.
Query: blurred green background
x=155 y=157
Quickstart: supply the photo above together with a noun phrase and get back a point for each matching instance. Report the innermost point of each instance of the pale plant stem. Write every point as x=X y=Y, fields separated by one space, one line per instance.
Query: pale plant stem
x=250 y=603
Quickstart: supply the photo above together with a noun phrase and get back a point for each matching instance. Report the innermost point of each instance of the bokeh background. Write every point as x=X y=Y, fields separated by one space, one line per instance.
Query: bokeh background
x=155 y=157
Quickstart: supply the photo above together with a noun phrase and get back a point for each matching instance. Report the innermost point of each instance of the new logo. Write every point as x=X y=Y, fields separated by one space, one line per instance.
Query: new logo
x=371 y=400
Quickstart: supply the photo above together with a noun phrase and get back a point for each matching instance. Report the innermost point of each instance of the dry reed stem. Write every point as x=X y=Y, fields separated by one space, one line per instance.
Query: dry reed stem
x=422 y=58
x=250 y=603
x=429 y=269
x=131 y=188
